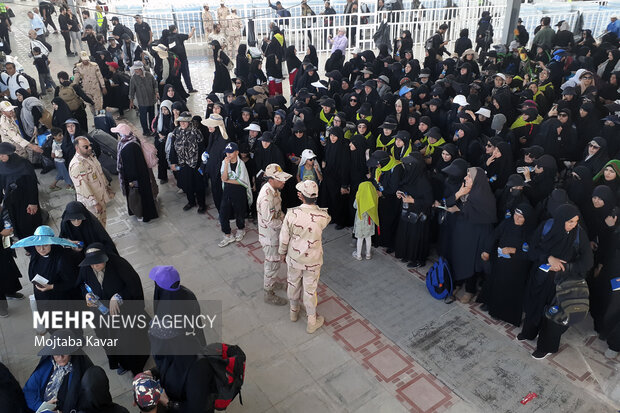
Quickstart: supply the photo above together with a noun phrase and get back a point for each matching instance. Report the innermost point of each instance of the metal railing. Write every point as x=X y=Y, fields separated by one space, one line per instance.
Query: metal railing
x=360 y=27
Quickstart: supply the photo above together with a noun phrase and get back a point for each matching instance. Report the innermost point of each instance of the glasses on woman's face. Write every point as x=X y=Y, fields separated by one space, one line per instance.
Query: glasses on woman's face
x=594 y=146
x=562 y=115
x=298 y=132
x=238 y=83
x=489 y=145
x=352 y=100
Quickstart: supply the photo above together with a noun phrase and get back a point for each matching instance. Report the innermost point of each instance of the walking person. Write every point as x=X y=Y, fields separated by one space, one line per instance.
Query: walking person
x=301 y=246
x=91 y=186
x=88 y=75
x=143 y=88
x=270 y=217
x=186 y=147
x=176 y=44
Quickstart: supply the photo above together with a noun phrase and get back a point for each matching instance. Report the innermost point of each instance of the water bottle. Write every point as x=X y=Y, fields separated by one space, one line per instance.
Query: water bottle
x=507 y=214
x=104 y=310
x=405 y=204
x=553 y=310
x=7 y=224
x=493 y=178
x=525 y=247
x=322 y=137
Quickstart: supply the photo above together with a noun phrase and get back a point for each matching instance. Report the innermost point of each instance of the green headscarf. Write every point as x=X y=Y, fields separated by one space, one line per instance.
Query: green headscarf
x=614 y=163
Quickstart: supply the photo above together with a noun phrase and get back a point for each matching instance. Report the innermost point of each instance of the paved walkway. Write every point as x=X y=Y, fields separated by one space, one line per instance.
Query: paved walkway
x=387 y=346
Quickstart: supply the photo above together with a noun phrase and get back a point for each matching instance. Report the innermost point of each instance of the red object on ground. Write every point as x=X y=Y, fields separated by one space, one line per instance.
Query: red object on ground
x=528 y=398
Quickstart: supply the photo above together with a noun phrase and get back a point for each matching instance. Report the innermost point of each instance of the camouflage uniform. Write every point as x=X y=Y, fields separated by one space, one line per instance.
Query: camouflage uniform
x=91 y=185
x=300 y=240
x=89 y=76
x=207 y=22
x=270 y=216
x=234 y=27
x=222 y=13
x=9 y=132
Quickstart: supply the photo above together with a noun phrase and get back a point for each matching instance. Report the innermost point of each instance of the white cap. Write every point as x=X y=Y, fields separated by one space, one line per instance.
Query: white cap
x=357 y=50
x=484 y=112
x=253 y=126
x=503 y=76
x=5 y=106
x=460 y=100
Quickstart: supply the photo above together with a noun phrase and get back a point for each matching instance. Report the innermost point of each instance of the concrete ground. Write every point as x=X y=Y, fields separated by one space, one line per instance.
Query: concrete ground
x=387 y=346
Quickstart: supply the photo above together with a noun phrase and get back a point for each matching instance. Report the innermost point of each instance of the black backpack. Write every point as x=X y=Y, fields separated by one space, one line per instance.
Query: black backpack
x=32 y=84
x=228 y=363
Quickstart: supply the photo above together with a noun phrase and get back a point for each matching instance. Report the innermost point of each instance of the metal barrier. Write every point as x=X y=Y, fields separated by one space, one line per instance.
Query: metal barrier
x=360 y=27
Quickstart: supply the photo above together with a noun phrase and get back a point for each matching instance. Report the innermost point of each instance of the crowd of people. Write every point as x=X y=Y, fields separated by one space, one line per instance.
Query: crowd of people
x=505 y=163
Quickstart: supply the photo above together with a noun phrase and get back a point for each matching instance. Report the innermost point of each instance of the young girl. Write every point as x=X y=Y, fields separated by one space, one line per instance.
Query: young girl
x=309 y=167
x=367 y=216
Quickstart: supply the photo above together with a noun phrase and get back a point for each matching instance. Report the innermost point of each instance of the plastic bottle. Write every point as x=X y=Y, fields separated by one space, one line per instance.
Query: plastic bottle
x=553 y=310
x=525 y=247
x=104 y=310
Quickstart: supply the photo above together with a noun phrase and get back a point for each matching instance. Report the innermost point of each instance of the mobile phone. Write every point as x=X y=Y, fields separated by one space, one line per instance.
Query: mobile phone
x=37 y=284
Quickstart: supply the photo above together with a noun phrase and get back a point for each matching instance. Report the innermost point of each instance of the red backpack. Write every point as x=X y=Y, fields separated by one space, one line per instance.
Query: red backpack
x=175 y=66
x=228 y=363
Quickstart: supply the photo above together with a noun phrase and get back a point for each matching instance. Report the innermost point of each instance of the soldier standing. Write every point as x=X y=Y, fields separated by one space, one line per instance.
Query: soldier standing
x=270 y=216
x=91 y=186
x=301 y=246
x=222 y=13
x=89 y=76
x=234 y=28
x=207 y=21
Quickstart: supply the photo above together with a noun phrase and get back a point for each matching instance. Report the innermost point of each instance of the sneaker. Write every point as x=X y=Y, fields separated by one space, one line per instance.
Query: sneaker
x=271 y=298
x=4 y=312
x=311 y=328
x=141 y=219
x=187 y=207
x=449 y=299
x=609 y=353
x=15 y=296
x=54 y=188
x=540 y=355
x=228 y=239
x=415 y=264
x=121 y=370
x=239 y=235
x=180 y=191
x=202 y=210
x=521 y=337
x=357 y=256
x=293 y=314
x=163 y=181
x=368 y=256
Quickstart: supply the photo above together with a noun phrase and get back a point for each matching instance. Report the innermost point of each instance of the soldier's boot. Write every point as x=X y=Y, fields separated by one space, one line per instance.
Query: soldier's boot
x=280 y=286
x=294 y=314
x=271 y=298
x=313 y=326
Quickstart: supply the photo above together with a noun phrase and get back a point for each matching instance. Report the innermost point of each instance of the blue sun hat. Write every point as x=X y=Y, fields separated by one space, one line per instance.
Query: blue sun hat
x=43 y=235
x=404 y=90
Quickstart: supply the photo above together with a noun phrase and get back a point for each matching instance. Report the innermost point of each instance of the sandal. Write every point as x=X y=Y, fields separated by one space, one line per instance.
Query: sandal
x=54 y=188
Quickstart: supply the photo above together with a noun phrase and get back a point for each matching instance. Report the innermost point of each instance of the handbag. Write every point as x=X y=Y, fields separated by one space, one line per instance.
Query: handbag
x=46 y=119
x=134 y=201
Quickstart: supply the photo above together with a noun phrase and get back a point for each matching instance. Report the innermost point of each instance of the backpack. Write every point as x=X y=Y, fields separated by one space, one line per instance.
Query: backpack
x=571 y=303
x=32 y=84
x=228 y=363
x=428 y=44
x=439 y=280
x=71 y=98
x=175 y=67
x=150 y=152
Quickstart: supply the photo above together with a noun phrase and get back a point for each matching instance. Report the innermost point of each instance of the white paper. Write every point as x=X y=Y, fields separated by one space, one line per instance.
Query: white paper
x=41 y=280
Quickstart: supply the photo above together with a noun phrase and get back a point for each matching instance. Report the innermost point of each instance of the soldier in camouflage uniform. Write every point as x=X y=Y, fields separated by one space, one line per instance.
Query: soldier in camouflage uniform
x=88 y=75
x=301 y=246
x=207 y=21
x=234 y=27
x=222 y=13
x=270 y=216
